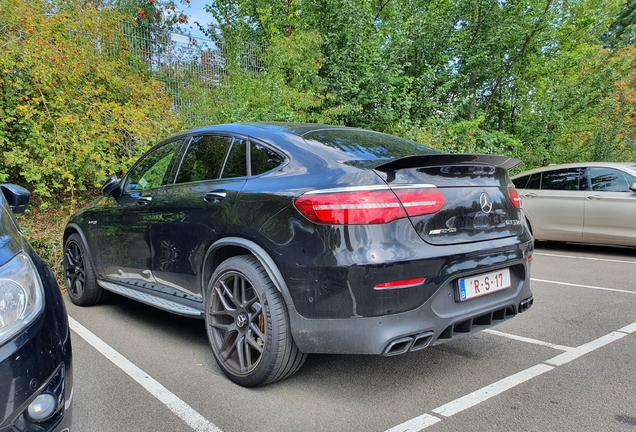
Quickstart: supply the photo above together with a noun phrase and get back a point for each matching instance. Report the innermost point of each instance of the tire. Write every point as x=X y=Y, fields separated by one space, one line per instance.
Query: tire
x=81 y=283
x=248 y=324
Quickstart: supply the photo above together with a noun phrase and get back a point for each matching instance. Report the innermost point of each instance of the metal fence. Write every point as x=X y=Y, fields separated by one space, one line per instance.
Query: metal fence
x=181 y=60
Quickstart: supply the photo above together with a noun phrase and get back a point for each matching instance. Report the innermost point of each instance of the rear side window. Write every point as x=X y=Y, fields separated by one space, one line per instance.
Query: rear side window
x=562 y=179
x=204 y=158
x=263 y=159
x=236 y=165
x=610 y=180
x=521 y=182
x=534 y=182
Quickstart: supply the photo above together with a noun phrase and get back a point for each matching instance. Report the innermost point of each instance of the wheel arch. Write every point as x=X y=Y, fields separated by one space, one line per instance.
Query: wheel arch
x=232 y=246
x=73 y=228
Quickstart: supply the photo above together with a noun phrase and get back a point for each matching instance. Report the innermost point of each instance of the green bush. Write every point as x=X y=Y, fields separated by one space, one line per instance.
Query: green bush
x=75 y=105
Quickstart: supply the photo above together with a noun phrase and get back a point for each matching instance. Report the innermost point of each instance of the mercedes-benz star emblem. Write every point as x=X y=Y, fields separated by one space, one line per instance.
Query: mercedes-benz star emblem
x=485 y=202
x=241 y=320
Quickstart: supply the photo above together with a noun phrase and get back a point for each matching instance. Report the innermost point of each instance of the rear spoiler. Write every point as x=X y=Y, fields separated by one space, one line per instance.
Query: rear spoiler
x=421 y=161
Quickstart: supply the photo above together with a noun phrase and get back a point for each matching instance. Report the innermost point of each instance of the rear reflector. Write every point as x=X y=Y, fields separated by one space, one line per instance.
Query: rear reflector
x=514 y=197
x=362 y=207
x=405 y=283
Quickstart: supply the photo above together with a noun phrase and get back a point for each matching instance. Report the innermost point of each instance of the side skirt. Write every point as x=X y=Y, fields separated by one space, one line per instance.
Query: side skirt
x=158 y=302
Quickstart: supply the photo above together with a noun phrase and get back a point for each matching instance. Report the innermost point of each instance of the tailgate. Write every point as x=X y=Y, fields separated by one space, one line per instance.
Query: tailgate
x=476 y=190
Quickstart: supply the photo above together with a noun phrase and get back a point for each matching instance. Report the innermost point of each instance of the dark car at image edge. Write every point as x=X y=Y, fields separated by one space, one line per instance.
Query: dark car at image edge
x=291 y=239
x=36 y=380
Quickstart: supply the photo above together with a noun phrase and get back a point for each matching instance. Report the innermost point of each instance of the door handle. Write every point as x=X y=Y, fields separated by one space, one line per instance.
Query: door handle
x=530 y=195
x=144 y=200
x=214 y=197
x=593 y=197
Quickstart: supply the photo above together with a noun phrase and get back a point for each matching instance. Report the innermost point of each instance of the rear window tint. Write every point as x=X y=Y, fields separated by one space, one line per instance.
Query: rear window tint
x=562 y=179
x=236 y=164
x=521 y=182
x=368 y=145
x=204 y=158
x=534 y=182
x=263 y=159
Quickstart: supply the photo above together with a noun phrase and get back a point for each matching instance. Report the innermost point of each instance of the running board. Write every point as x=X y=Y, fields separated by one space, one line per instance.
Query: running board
x=159 y=303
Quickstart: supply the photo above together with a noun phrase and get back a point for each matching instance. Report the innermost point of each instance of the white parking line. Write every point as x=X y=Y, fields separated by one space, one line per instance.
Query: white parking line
x=583 y=286
x=529 y=340
x=485 y=393
x=470 y=400
x=417 y=424
x=184 y=411
x=583 y=258
x=567 y=357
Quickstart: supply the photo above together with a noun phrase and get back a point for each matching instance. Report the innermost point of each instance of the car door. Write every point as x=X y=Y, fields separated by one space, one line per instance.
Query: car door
x=610 y=206
x=195 y=211
x=555 y=209
x=123 y=226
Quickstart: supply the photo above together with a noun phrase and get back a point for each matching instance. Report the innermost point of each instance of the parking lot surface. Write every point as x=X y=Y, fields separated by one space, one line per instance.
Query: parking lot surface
x=566 y=364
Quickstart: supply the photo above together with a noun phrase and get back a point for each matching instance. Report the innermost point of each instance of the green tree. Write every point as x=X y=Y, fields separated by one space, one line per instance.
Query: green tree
x=524 y=77
x=622 y=31
x=288 y=88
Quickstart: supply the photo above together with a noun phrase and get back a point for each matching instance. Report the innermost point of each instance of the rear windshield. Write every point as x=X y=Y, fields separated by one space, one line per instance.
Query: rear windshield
x=373 y=147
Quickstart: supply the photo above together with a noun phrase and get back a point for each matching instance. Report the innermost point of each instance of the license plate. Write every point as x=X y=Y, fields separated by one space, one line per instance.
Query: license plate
x=483 y=284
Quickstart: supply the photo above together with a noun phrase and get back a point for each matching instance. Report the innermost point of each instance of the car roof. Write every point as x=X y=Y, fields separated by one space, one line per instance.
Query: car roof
x=631 y=165
x=298 y=129
x=263 y=130
x=319 y=141
x=282 y=135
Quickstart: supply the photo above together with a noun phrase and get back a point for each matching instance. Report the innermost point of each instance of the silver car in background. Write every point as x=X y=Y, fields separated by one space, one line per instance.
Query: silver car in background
x=588 y=202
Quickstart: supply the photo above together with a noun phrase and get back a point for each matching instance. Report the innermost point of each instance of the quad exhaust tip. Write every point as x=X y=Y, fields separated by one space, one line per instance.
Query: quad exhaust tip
x=422 y=340
x=525 y=305
x=408 y=343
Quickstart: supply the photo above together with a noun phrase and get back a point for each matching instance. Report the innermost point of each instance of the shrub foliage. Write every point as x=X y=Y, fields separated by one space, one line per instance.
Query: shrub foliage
x=75 y=105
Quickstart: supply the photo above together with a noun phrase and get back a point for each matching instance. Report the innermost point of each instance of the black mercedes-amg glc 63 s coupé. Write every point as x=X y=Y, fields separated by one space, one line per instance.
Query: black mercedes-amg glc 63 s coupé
x=291 y=239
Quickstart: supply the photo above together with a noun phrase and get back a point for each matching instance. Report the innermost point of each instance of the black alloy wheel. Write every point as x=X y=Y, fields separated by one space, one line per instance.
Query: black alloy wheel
x=248 y=324
x=81 y=283
x=237 y=317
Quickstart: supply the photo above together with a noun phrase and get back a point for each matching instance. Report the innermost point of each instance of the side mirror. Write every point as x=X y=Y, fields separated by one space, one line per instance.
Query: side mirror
x=633 y=187
x=111 y=187
x=17 y=197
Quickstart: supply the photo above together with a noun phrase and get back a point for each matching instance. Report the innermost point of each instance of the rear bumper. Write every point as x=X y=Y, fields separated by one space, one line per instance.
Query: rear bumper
x=333 y=273
x=440 y=319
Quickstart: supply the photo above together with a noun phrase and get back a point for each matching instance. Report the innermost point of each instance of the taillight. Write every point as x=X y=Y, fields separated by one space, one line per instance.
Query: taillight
x=514 y=197
x=419 y=202
x=362 y=207
x=355 y=208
